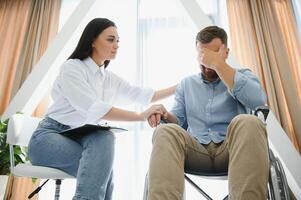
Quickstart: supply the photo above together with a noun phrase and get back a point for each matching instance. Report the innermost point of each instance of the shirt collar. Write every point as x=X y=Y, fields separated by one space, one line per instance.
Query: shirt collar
x=208 y=82
x=93 y=66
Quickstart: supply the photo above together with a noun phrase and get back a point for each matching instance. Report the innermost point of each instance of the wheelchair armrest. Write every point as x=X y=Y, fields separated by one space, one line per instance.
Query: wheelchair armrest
x=262 y=111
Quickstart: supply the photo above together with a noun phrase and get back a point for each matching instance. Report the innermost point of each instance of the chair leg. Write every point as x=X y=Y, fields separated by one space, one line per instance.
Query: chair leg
x=198 y=188
x=226 y=197
x=145 y=192
x=57 y=189
x=36 y=191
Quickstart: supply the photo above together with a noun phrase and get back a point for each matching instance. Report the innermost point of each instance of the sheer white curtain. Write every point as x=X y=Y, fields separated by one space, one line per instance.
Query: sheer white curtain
x=166 y=39
x=165 y=55
x=297 y=12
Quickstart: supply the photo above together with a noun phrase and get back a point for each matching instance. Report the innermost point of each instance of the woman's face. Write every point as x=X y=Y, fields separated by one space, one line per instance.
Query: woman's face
x=106 y=44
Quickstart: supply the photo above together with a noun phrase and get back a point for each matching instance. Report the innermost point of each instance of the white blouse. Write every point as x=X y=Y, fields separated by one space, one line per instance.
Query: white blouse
x=84 y=92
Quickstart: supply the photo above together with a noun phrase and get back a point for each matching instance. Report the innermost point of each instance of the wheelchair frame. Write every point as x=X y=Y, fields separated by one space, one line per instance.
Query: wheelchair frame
x=277 y=184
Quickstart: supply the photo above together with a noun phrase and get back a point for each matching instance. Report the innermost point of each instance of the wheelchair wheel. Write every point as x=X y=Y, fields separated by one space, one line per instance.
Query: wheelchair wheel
x=278 y=187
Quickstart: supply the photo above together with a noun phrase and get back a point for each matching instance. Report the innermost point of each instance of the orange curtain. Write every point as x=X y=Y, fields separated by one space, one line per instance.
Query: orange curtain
x=13 y=26
x=26 y=29
x=264 y=38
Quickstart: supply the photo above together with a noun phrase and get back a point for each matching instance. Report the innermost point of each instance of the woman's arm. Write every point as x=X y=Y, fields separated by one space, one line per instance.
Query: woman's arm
x=117 y=114
x=161 y=94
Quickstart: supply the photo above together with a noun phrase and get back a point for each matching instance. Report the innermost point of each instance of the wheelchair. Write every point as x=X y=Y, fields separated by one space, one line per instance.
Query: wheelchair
x=277 y=188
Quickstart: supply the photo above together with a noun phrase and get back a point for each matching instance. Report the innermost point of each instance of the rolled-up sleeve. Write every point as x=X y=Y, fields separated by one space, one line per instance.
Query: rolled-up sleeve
x=130 y=94
x=178 y=108
x=247 y=89
x=76 y=89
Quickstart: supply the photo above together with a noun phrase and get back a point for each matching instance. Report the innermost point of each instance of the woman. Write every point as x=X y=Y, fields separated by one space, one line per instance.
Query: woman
x=84 y=93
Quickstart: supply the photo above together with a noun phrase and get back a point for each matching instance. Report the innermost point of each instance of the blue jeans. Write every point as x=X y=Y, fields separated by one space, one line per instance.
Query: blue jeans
x=88 y=157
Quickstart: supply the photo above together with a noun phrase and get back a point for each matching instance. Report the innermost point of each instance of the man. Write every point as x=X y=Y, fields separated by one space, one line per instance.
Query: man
x=220 y=136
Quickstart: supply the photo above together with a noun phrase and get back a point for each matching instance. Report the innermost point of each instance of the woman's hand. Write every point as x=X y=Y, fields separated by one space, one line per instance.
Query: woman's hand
x=155 y=119
x=154 y=114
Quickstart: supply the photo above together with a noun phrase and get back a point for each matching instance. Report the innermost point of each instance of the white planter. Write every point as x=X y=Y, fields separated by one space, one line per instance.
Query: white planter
x=3 y=183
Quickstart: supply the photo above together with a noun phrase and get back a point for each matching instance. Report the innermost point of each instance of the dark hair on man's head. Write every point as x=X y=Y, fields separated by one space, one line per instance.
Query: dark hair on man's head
x=90 y=33
x=207 y=34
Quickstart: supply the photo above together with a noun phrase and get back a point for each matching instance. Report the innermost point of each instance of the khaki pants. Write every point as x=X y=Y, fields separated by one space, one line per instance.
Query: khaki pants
x=243 y=153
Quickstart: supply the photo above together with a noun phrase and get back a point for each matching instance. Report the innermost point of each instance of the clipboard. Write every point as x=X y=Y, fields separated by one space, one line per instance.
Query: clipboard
x=88 y=128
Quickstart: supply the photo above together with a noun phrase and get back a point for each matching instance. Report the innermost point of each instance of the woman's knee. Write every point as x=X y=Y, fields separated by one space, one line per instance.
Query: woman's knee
x=108 y=136
x=101 y=137
x=99 y=147
x=99 y=141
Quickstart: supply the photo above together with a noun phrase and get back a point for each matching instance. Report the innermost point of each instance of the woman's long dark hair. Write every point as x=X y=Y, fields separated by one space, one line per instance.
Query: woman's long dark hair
x=90 y=33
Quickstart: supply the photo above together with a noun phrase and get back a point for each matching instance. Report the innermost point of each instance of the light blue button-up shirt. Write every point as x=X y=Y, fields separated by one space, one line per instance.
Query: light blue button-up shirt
x=205 y=108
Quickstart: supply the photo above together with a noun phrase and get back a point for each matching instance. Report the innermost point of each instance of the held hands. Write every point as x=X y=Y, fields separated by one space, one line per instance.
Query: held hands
x=154 y=114
x=212 y=59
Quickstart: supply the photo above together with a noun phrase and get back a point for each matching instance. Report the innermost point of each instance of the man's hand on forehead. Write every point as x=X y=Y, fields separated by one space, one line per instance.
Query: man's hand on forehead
x=211 y=59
